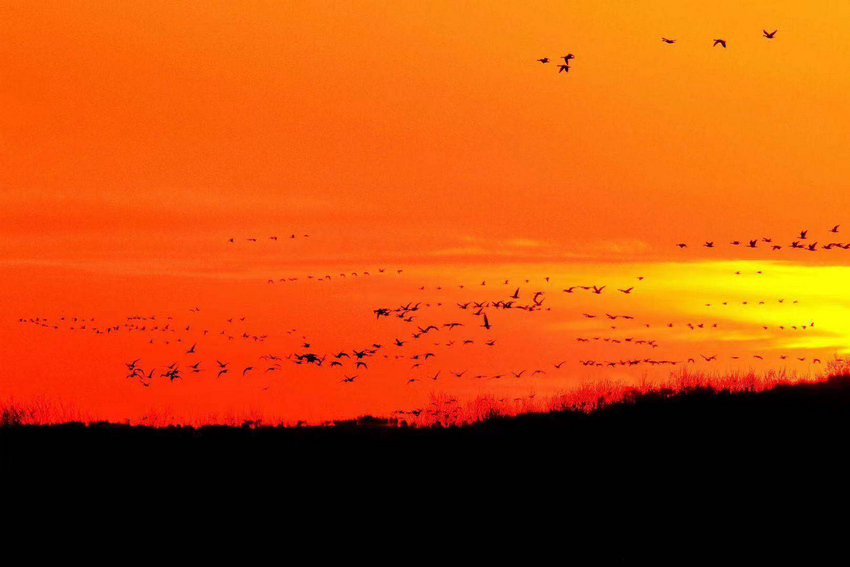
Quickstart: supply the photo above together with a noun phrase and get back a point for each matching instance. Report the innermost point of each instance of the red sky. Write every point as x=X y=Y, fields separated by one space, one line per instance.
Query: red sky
x=137 y=138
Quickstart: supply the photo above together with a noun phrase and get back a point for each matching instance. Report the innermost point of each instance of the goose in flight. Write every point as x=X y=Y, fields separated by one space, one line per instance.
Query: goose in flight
x=562 y=69
x=719 y=42
x=670 y=41
x=769 y=35
x=486 y=324
x=544 y=60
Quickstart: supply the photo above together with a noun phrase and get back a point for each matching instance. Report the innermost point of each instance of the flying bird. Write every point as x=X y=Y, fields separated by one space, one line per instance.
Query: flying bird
x=769 y=35
x=719 y=42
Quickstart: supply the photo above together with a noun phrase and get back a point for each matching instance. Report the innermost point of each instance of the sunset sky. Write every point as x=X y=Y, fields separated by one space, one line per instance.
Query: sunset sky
x=137 y=138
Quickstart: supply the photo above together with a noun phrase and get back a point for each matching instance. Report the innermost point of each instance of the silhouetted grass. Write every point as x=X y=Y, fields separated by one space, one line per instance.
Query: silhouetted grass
x=38 y=411
x=591 y=396
x=445 y=411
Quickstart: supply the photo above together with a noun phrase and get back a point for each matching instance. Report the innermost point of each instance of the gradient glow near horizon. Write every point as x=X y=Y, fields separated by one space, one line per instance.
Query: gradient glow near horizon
x=138 y=138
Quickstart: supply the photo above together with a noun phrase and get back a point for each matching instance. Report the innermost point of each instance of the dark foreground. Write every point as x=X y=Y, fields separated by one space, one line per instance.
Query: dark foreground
x=805 y=417
x=751 y=465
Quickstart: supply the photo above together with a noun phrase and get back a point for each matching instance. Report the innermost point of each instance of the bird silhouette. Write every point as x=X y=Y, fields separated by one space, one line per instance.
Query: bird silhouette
x=486 y=324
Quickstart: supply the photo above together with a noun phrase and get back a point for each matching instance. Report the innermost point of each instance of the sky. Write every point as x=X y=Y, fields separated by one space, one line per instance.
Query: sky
x=138 y=138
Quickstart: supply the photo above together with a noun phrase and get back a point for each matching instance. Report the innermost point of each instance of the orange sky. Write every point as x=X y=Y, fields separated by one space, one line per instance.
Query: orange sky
x=136 y=138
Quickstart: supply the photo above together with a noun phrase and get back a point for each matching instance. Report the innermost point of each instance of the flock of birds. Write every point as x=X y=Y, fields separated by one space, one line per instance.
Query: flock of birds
x=796 y=244
x=272 y=238
x=565 y=66
x=428 y=333
x=429 y=336
x=475 y=318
